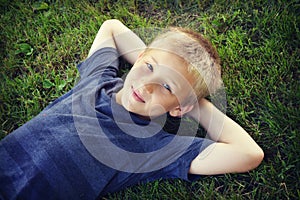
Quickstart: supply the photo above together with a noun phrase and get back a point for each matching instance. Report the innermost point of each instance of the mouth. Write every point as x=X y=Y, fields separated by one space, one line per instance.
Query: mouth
x=137 y=96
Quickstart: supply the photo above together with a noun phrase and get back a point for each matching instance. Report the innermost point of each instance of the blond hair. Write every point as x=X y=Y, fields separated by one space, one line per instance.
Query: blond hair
x=200 y=57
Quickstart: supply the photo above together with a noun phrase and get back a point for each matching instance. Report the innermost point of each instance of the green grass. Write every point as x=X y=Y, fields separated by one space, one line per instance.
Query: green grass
x=258 y=42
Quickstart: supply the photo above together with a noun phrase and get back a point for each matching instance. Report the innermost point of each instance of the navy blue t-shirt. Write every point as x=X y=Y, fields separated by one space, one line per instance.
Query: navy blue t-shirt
x=84 y=145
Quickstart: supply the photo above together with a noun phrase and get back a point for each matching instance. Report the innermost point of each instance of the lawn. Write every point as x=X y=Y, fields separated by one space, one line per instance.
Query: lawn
x=258 y=42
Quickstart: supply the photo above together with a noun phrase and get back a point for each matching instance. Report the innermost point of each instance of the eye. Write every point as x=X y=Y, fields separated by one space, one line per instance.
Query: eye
x=149 y=66
x=166 y=86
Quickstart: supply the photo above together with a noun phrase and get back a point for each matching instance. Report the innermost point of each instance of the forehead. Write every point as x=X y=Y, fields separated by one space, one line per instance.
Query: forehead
x=167 y=60
x=165 y=57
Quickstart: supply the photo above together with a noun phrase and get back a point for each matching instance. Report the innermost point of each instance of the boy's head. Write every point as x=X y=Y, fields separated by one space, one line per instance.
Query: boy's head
x=200 y=57
x=178 y=68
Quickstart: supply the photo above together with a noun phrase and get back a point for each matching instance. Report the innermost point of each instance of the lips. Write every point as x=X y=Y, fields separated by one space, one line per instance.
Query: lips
x=137 y=96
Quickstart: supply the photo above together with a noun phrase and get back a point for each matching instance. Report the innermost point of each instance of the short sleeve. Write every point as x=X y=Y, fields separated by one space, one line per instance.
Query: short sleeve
x=103 y=60
x=186 y=159
x=179 y=169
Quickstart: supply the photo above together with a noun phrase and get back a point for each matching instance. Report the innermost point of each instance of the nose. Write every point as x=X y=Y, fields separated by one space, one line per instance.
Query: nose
x=149 y=87
x=149 y=84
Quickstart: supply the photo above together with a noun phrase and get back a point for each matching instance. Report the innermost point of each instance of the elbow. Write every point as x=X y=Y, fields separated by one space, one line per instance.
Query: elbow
x=112 y=22
x=255 y=157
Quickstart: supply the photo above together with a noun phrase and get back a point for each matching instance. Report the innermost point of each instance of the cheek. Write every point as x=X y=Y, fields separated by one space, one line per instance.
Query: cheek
x=157 y=110
x=130 y=77
x=168 y=102
x=136 y=73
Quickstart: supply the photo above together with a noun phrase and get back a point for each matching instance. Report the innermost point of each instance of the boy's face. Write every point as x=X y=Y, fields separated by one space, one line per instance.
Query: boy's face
x=156 y=84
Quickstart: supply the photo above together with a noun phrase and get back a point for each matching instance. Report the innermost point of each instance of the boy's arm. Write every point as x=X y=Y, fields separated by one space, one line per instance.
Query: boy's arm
x=233 y=151
x=114 y=33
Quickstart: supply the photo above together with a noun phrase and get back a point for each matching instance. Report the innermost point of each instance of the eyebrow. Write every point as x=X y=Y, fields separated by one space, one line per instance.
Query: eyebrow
x=154 y=60
x=176 y=87
x=172 y=82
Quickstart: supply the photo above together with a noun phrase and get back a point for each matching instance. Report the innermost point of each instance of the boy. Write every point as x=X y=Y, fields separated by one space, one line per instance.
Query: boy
x=101 y=136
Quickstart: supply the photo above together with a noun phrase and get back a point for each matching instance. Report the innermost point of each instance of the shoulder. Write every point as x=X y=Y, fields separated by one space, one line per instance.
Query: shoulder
x=103 y=53
x=103 y=59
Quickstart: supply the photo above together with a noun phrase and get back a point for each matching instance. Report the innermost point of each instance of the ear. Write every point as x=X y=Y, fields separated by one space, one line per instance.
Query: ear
x=180 y=111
